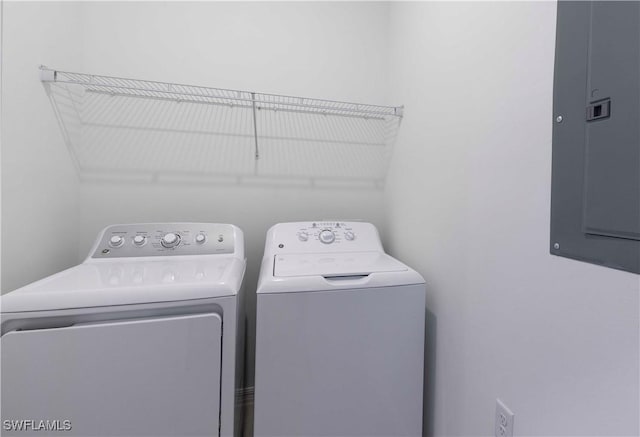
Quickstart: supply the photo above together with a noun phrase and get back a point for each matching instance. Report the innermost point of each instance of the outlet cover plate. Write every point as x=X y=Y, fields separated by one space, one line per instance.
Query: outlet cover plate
x=504 y=420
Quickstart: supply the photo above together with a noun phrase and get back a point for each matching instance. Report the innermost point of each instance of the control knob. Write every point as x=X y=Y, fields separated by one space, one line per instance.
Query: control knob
x=201 y=238
x=349 y=235
x=116 y=241
x=139 y=240
x=327 y=236
x=303 y=236
x=170 y=240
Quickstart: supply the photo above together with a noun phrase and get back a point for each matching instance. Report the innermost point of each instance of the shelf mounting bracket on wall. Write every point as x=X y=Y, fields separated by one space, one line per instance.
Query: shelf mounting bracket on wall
x=255 y=123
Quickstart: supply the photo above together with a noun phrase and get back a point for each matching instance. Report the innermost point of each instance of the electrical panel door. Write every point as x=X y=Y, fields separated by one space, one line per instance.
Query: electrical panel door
x=595 y=214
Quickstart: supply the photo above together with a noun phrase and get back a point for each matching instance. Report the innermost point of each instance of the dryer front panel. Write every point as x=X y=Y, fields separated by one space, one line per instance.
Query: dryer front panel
x=140 y=377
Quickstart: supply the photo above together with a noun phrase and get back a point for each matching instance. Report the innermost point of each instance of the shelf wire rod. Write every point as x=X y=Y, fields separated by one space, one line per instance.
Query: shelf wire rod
x=320 y=109
x=301 y=111
x=347 y=106
x=109 y=88
x=173 y=99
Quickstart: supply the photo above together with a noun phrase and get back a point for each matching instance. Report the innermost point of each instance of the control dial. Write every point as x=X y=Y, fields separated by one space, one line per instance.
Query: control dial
x=139 y=240
x=349 y=235
x=201 y=238
x=170 y=240
x=303 y=236
x=116 y=241
x=326 y=236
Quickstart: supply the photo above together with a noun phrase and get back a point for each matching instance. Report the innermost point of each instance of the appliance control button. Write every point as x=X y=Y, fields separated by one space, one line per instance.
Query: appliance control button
x=139 y=240
x=349 y=235
x=116 y=241
x=201 y=238
x=327 y=236
x=170 y=240
x=303 y=236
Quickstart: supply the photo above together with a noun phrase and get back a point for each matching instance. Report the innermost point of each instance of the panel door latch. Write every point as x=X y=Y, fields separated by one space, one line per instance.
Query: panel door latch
x=599 y=110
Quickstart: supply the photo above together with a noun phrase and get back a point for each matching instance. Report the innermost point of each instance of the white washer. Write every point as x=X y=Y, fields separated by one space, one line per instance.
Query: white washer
x=145 y=337
x=339 y=335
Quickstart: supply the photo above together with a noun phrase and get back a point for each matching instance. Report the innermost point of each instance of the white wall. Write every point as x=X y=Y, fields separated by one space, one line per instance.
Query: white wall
x=312 y=49
x=468 y=205
x=323 y=50
x=39 y=185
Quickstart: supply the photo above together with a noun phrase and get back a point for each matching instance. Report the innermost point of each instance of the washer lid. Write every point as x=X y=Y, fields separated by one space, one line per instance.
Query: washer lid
x=302 y=272
x=127 y=282
x=335 y=264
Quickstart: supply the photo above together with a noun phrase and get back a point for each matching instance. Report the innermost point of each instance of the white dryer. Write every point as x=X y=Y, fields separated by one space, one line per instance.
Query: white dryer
x=339 y=335
x=143 y=338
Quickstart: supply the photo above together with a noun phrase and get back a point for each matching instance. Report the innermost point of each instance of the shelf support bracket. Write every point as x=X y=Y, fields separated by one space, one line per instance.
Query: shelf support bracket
x=47 y=75
x=255 y=124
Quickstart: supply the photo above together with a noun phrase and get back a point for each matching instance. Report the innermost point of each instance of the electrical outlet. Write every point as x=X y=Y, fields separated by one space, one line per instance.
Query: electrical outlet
x=504 y=420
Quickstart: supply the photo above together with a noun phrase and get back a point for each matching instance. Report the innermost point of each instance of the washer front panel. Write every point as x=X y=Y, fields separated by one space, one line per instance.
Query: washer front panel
x=344 y=363
x=121 y=241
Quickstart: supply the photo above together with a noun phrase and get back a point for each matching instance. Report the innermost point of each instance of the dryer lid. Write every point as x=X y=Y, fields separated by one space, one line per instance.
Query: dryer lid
x=331 y=265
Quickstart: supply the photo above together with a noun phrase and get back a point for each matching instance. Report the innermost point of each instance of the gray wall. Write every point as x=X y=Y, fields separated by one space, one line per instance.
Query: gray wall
x=468 y=206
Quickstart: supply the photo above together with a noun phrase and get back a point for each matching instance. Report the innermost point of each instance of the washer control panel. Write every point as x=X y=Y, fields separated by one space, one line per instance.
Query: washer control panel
x=323 y=236
x=165 y=239
x=326 y=232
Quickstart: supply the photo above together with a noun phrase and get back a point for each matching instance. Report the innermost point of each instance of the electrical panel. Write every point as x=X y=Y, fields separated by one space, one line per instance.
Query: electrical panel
x=595 y=201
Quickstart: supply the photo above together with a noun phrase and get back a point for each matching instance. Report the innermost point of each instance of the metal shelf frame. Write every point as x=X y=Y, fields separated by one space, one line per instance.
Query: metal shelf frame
x=116 y=127
x=118 y=86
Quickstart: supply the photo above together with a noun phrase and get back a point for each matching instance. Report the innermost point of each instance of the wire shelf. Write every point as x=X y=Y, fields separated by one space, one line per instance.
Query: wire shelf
x=126 y=129
x=217 y=96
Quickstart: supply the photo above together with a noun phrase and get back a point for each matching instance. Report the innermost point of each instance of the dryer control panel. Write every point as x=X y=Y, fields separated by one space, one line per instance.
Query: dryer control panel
x=165 y=239
x=323 y=236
